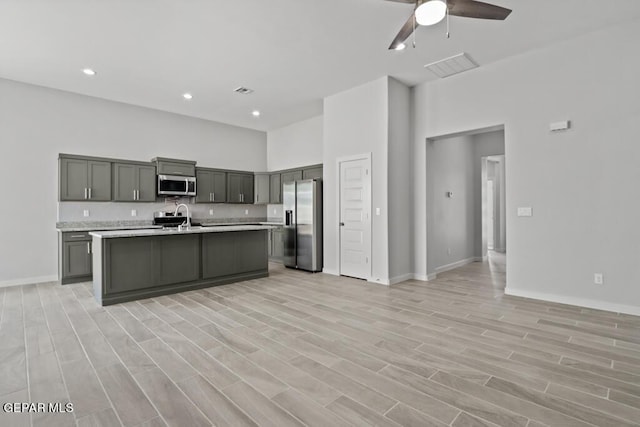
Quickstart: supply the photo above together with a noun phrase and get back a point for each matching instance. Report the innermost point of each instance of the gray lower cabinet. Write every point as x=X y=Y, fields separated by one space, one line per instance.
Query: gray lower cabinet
x=211 y=186
x=84 y=180
x=178 y=259
x=275 y=189
x=276 y=244
x=131 y=268
x=239 y=187
x=261 y=188
x=134 y=183
x=74 y=257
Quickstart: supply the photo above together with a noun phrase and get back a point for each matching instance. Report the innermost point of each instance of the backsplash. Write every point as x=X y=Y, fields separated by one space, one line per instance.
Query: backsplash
x=121 y=211
x=274 y=213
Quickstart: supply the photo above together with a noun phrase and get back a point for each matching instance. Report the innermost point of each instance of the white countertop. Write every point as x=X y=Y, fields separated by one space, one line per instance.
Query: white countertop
x=165 y=232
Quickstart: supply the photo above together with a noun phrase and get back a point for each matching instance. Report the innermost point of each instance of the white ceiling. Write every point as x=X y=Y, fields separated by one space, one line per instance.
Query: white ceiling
x=291 y=52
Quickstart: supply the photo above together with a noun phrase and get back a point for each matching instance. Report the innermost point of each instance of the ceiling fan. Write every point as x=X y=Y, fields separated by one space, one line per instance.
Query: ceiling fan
x=430 y=12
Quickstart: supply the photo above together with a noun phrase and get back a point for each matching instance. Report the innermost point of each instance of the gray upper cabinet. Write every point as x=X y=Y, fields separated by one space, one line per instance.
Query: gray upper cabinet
x=261 y=188
x=82 y=179
x=211 y=186
x=175 y=167
x=134 y=182
x=275 y=190
x=312 y=172
x=291 y=176
x=240 y=187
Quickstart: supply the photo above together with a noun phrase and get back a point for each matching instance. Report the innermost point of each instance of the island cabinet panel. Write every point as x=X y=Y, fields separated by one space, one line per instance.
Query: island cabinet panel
x=131 y=264
x=218 y=255
x=136 y=267
x=251 y=252
x=178 y=259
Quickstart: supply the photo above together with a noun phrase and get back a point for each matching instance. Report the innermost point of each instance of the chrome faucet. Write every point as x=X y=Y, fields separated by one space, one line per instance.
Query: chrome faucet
x=187 y=223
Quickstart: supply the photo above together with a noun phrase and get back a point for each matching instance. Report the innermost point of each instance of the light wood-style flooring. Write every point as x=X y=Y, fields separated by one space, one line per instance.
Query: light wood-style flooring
x=299 y=349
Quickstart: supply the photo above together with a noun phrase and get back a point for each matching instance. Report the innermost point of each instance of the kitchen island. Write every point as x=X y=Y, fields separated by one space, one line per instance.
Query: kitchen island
x=135 y=264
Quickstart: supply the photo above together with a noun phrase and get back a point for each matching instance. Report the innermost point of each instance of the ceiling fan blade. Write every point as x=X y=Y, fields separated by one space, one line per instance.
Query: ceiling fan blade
x=404 y=33
x=477 y=9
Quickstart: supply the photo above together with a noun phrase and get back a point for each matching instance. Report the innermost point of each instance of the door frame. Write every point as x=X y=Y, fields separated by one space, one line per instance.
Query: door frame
x=366 y=157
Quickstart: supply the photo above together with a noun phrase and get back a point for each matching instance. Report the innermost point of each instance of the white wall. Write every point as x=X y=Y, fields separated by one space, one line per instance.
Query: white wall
x=400 y=183
x=450 y=220
x=38 y=123
x=295 y=145
x=582 y=184
x=356 y=122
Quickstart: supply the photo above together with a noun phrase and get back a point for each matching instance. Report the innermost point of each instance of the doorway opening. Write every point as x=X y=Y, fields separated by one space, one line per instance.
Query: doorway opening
x=466 y=214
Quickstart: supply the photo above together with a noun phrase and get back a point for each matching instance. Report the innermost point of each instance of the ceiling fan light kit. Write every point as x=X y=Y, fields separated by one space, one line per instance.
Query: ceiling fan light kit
x=431 y=12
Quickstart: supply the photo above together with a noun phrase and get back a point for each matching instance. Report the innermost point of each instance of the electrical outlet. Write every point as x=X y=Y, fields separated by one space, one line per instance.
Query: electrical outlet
x=85 y=212
x=246 y=211
x=598 y=279
x=211 y=212
x=274 y=212
x=134 y=212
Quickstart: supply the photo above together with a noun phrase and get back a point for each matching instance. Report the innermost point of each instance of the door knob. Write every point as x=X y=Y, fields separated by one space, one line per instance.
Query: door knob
x=342 y=224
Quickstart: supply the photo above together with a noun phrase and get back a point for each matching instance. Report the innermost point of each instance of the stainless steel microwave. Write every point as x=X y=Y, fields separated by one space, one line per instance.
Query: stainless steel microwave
x=174 y=185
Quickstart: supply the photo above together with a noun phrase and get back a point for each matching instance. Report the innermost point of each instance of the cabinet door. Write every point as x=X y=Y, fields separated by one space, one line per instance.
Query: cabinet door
x=204 y=186
x=251 y=251
x=218 y=254
x=261 y=189
x=176 y=168
x=291 y=176
x=124 y=182
x=146 y=178
x=132 y=264
x=178 y=259
x=311 y=173
x=73 y=179
x=219 y=187
x=99 y=181
x=247 y=188
x=76 y=259
x=278 y=243
x=275 y=189
x=234 y=187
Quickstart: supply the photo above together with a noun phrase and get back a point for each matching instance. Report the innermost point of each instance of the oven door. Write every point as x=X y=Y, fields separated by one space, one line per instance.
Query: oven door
x=172 y=185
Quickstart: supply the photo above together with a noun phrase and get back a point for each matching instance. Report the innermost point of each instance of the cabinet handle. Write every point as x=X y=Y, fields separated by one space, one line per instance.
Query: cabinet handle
x=88 y=247
x=77 y=236
x=85 y=193
x=134 y=194
x=213 y=197
x=89 y=192
x=137 y=194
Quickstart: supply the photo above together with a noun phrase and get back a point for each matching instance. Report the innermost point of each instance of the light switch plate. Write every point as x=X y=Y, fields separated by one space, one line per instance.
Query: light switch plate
x=246 y=211
x=211 y=212
x=85 y=213
x=378 y=211
x=525 y=211
x=134 y=212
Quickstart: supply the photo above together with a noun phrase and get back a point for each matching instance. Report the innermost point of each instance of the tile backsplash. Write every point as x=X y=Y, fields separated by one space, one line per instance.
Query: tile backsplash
x=120 y=211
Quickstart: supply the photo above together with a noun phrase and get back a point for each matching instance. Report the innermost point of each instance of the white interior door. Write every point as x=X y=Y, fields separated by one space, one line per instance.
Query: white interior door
x=355 y=218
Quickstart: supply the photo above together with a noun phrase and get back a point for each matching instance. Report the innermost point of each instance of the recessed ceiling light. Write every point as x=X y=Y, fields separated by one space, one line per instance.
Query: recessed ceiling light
x=401 y=46
x=89 y=72
x=255 y=113
x=187 y=96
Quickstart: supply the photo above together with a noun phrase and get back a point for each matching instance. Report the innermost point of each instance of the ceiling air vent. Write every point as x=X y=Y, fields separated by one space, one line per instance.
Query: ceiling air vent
x=243 y=90
x=453 y=65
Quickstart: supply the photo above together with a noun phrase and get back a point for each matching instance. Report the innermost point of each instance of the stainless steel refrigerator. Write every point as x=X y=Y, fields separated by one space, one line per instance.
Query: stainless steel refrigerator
x=302 y=206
